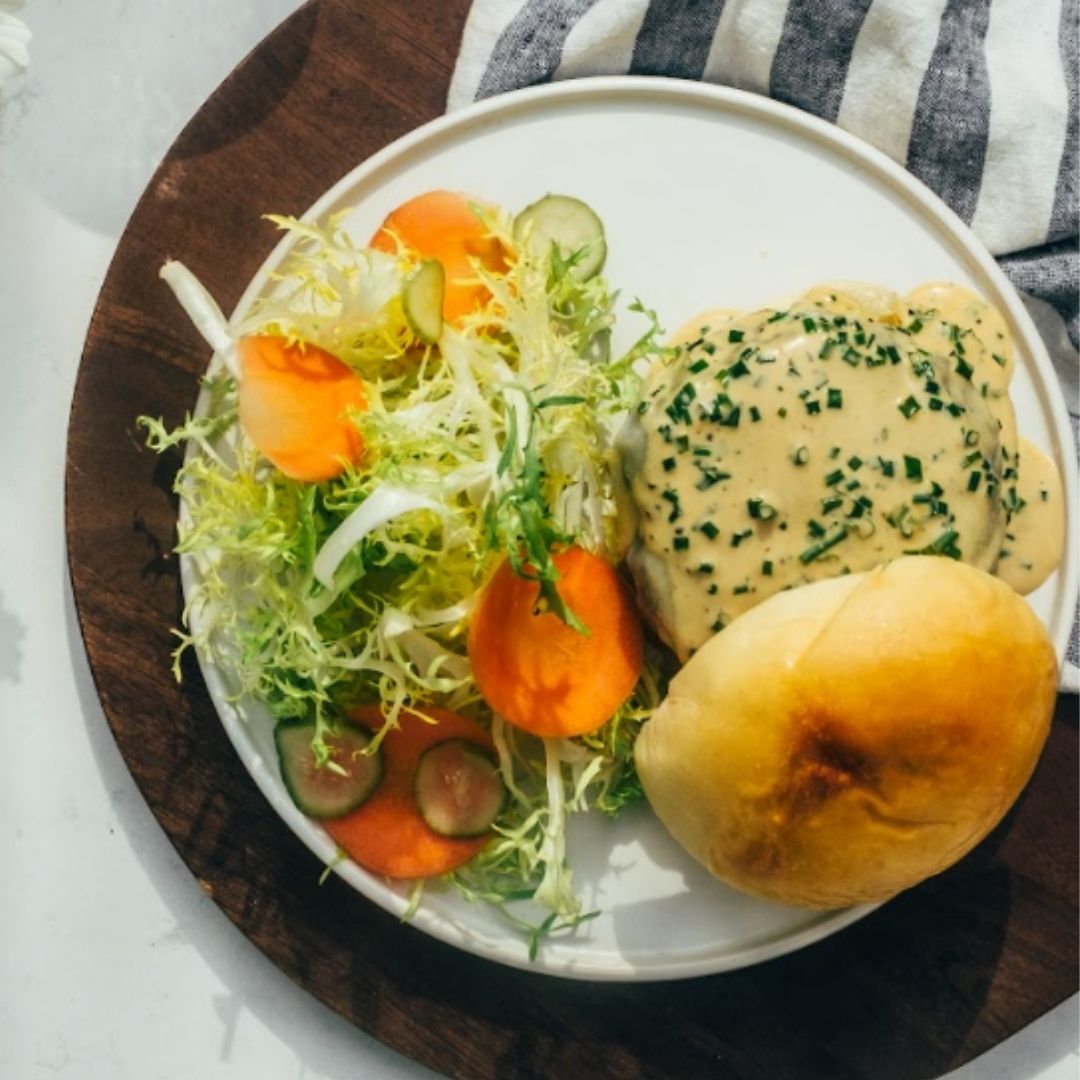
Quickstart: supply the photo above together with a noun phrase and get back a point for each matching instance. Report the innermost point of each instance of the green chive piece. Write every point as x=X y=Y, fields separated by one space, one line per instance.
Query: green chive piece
x=815 y=551
x=909 y=407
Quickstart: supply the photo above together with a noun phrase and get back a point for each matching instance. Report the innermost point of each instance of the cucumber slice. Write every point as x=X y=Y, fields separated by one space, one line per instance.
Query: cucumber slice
x=458 y=789
x=422 y=299
x=571 y=225
x=326 y=793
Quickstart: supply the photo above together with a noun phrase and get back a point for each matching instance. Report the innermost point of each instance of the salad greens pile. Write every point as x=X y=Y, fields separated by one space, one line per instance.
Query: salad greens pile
x=495 y=443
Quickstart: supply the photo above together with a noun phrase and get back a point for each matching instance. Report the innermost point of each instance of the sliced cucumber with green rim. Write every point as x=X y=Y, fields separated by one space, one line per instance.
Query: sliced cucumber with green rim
x=422 y=299
x=327 y=792
x=458 y=789
x=568 y=223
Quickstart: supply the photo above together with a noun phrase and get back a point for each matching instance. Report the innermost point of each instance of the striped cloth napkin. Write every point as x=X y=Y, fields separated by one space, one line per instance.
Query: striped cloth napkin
x=977 y=98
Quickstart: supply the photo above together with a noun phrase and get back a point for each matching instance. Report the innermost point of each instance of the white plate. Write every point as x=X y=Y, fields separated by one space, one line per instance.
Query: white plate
x=710 y=197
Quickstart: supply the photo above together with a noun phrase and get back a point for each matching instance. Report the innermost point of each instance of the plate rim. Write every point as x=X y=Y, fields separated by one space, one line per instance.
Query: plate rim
x=687 y=962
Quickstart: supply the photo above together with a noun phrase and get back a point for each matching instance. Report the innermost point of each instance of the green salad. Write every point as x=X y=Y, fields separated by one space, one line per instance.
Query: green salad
x=401 y=503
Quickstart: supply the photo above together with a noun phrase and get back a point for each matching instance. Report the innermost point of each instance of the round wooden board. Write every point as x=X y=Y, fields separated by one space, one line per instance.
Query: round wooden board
x=931 y=980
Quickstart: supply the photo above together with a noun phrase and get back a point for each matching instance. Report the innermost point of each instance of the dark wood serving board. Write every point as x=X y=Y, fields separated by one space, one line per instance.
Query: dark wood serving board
x=931 y=980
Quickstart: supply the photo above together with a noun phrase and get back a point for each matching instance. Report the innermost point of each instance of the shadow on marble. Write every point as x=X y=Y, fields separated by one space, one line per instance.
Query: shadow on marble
x=12 y=633
x=91 y=165
x=323 y=1042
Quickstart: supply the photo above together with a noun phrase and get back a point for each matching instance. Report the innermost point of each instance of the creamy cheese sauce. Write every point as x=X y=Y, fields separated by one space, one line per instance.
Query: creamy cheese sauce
x=778 y=447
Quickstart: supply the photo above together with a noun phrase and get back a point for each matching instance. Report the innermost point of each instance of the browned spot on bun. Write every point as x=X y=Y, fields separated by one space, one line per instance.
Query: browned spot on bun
x=822 y=765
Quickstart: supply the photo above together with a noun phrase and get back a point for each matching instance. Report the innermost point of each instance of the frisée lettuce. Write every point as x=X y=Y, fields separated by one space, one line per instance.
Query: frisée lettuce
x=494 y=443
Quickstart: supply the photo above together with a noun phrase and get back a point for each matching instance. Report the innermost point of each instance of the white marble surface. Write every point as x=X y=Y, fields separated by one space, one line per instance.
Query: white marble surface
x=113 y=963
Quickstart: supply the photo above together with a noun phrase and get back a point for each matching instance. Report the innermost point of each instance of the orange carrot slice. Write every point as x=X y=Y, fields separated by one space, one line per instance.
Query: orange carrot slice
x=441 y=225
x=539 y=674
x=295 y=401
x=387 y=835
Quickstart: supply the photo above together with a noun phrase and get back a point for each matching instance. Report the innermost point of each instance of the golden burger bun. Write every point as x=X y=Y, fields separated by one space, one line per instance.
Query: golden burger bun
x=845 y=740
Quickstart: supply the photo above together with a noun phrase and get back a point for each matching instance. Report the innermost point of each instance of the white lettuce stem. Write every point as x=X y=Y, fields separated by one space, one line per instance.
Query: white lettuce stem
x=203 y=311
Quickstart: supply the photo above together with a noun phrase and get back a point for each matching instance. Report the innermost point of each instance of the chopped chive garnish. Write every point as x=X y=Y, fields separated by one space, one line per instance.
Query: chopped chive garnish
x=740 y=589
x=682 y=443
x=909 y=407
x=759 y=508
x=678 y=410
x=830 y=504
x=999 y=360
x=955 y=410
x=835 y=399
x=945 y=544
x=830 y=344
x=815 y=528
x=709 y=529
x=912 y=467
x=724 y=411
x=766 y=568
x=800 y=455
x=974 y=477
x=936 y=404
x=673 y=498
x=971 y=438
x=887 y=467
x=815 y=551
x=669 y=464
x=710 y=476
x=854 y=463
x=812 y=407
x=755 y=415
x=698 y=365
x=964 y=369
x=738 y=369
x=739 y=537
x=735 y=335
x=704 y=568
x=681 y=543
x=834 y=477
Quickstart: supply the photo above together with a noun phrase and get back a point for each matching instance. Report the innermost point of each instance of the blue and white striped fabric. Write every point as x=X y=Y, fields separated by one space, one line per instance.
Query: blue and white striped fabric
x=977 y=98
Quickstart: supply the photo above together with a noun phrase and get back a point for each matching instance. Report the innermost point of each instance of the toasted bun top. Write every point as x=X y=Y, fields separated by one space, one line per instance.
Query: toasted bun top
x=847 y=739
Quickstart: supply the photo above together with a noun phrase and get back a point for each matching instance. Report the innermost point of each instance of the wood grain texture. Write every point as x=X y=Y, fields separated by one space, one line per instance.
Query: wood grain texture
x=932 y=979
